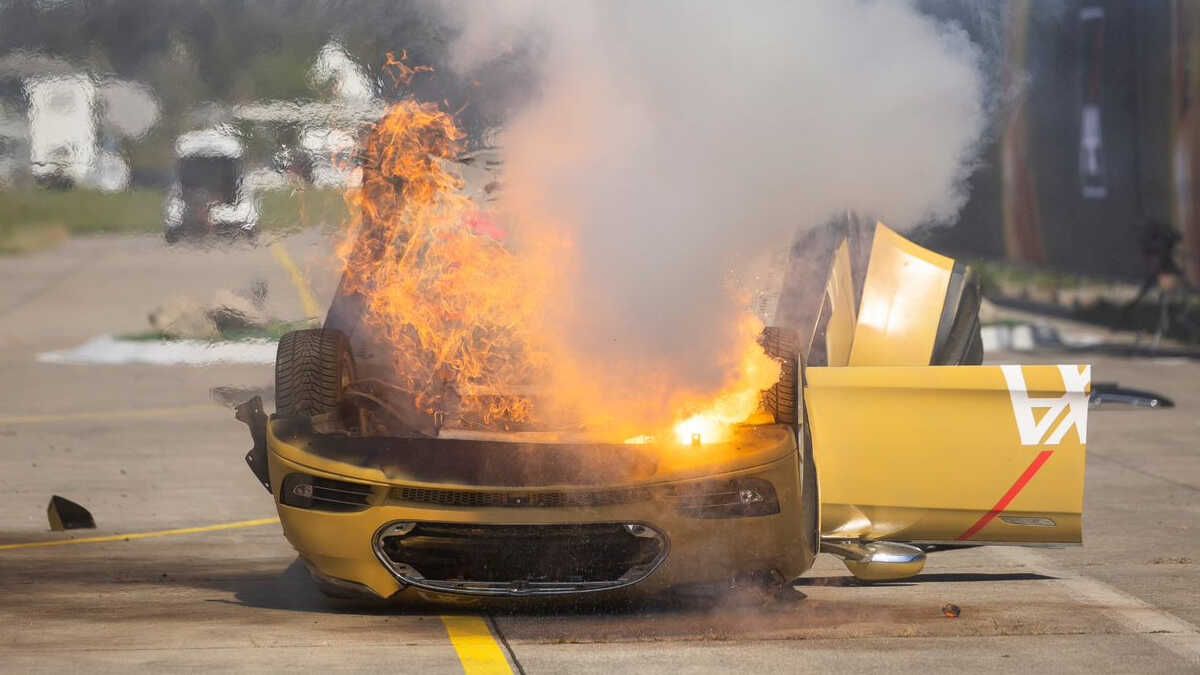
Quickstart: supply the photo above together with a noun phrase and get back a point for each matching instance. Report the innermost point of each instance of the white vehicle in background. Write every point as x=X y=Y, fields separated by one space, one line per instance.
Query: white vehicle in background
x=72 y=131
x=210 y=195
x=62 y=129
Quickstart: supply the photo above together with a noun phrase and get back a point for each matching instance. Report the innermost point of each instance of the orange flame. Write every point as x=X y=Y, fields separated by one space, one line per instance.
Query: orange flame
x=400 y=71
x=739 y=400
x=462 y=306
x=455 y=304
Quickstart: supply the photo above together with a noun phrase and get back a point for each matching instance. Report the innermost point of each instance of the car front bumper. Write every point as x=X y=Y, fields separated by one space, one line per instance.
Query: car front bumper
x=347 y=549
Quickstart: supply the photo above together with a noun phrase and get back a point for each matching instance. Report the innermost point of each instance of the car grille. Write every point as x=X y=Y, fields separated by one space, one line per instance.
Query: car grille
x=521 y=559
x=534 y=499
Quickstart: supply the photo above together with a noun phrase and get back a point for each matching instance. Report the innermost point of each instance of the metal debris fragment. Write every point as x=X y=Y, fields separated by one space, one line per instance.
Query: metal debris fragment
x=65 y=514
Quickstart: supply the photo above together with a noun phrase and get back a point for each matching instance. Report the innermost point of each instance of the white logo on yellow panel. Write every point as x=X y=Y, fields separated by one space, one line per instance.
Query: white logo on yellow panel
x=1069 y=410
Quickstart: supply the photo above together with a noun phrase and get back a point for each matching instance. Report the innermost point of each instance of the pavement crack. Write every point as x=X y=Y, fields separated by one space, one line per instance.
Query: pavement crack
x=512 y=655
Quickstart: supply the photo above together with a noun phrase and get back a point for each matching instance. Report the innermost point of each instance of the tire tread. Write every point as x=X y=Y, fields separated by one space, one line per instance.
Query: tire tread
x=308 y=372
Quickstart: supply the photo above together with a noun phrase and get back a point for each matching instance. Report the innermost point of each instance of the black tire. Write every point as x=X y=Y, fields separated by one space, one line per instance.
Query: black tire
x=782 y=400
x=312 y=369
x=811 y=492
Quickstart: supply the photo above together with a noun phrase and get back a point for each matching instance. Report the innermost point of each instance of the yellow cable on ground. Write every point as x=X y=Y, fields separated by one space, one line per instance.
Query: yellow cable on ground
x=478 y=650
x=143 y=535
x=311 y=307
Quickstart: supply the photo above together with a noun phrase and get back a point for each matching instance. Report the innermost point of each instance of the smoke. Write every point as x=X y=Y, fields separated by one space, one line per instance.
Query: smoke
x=674 y=142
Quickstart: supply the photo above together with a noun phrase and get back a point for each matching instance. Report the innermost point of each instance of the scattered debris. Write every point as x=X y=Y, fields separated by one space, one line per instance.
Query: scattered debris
x=1171 y=561
x=229 y=312
x=1104 y=393
x=239 y=311
x=233 y=328
x=252 y=415
x=184 y=318
x=951 y=611
x=65 y=514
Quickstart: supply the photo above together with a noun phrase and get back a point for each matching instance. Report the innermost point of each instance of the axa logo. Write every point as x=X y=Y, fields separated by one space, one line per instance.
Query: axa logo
x=1061 y=413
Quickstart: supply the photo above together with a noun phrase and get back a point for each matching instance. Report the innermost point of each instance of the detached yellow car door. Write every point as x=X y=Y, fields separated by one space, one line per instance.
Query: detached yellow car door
x=950 y=454
x=941 y=454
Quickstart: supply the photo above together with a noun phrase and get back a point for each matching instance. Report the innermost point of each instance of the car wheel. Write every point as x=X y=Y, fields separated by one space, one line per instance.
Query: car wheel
x=313 y=368
x=810 y=491
x=782 y=400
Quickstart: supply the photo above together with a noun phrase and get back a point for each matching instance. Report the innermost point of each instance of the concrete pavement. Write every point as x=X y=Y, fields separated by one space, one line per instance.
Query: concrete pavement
x=237 y=600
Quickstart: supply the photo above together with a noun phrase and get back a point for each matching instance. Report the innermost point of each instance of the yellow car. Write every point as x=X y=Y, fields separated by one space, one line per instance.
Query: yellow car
x=885 y=439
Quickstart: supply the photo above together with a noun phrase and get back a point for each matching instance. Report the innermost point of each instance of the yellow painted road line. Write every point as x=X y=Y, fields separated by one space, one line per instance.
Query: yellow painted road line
x=142 y=413
x=144 y=535
x=311 y=307
x=478 y=650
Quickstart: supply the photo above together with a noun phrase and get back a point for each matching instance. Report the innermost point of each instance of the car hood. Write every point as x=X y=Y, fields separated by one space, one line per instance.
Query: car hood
x=521 y=464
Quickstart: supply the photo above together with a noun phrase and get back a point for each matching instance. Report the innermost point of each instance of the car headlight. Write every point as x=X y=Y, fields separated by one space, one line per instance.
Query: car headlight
x=736 y=498
x=322 y=494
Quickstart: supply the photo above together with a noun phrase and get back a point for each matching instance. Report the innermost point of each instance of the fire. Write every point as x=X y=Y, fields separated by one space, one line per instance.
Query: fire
x=461 y=302
x=739 y=401
x=454 y=302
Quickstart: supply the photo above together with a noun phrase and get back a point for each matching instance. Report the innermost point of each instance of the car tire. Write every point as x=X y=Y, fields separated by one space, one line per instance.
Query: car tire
x=782 y=400
x=811 y=493
x=312 y=370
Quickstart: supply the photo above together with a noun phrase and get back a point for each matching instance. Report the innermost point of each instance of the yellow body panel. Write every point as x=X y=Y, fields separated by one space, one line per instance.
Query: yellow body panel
x=902 y=301
x=950 y=454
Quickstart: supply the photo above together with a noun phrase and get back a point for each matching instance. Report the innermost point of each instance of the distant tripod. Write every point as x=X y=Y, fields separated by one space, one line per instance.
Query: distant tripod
x=1159 y=241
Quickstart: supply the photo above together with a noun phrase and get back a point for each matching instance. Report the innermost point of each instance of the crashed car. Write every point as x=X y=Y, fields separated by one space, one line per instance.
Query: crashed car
x=884 y=440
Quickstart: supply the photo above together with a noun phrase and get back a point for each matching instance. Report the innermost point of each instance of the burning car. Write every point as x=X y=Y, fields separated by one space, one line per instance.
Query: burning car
x=401 y=465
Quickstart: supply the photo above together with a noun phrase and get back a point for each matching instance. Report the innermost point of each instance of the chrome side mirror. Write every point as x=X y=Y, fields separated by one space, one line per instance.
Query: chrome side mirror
x=877 y=560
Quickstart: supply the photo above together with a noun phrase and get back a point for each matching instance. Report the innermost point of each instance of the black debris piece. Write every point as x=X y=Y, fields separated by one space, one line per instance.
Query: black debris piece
x=65 y=514
x=1106 y=393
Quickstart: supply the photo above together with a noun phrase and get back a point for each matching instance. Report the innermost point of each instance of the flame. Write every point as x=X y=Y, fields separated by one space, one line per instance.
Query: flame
x=460 y=299
x=453 y=301
x=740 y=399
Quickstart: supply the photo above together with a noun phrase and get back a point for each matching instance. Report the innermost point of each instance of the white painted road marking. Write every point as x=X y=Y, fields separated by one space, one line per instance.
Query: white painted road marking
x=1134 y=614
x=107 y=350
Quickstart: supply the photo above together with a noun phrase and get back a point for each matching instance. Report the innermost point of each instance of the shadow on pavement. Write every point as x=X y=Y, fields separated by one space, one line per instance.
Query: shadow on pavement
x=946 y=577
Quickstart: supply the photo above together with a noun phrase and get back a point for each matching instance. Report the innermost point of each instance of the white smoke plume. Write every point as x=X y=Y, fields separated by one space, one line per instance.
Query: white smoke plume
x=674 y=142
